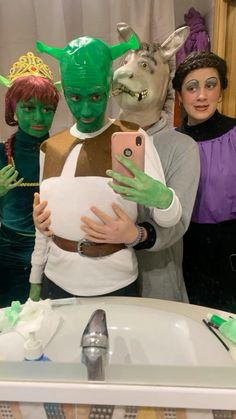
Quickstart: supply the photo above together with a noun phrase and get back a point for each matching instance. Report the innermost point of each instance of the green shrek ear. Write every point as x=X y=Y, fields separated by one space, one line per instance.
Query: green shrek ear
x=5 y=82
x=120 y=49
x=58 y=85
x=54 y=52
x=115 y=50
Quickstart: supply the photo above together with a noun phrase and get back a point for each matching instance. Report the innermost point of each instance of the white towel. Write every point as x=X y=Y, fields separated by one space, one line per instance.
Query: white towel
x=38 y=317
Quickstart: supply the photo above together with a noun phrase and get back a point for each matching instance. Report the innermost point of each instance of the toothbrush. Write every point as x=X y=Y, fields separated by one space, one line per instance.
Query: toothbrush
x=63 y=302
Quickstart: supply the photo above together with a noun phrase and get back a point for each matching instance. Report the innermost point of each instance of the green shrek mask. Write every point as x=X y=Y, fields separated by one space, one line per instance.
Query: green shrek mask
x=86 y=74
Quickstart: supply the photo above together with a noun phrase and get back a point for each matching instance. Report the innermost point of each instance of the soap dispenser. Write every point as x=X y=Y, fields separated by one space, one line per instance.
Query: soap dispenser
x=33 y=349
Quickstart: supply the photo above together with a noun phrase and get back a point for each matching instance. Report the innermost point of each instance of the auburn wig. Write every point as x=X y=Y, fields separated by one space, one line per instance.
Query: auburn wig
x=26 y=87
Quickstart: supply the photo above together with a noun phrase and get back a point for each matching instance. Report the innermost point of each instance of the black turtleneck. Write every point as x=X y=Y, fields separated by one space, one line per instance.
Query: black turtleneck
x=214 y=127
x=26 y=155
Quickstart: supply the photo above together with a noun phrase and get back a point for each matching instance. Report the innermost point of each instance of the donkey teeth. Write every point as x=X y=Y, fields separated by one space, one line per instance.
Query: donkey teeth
x=124 y=89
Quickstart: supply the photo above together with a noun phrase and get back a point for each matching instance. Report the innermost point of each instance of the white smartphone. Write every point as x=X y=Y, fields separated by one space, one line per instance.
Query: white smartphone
x=130 y=144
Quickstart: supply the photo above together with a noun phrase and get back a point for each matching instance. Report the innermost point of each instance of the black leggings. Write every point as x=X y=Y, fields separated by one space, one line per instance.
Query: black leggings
x=15 y=266
x=51 y=290
x=209 y=265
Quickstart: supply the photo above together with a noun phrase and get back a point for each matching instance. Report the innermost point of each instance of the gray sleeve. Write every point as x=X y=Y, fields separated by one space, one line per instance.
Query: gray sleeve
x=180 y=160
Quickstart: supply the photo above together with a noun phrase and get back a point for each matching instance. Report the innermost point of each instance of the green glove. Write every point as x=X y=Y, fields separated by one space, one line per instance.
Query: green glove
x=8 y=176
x=142 y=188
x=35 y=290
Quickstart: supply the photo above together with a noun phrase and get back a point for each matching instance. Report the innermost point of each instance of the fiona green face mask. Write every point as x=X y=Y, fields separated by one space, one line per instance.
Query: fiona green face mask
x=86 y=73
x=34 y=118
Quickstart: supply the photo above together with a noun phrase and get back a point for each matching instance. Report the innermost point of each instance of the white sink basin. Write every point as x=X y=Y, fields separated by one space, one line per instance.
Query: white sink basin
x=137 y=335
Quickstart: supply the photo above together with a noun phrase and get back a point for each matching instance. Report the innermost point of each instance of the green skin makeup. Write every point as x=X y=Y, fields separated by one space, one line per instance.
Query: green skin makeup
x=34 y=118
x=86 y=85
x=88 y=105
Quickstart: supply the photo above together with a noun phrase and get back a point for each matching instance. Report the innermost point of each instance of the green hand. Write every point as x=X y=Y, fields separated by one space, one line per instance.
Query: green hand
x=35 y=290
x=8 y=176
x=142 y=188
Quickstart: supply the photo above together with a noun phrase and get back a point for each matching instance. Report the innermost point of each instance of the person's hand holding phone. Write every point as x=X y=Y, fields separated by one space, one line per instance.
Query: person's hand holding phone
x=130 y=144
x=141 y=188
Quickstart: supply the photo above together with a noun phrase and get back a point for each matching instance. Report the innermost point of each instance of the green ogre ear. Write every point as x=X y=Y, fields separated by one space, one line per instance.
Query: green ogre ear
x=120 y=49
x=54 y=52
x=58 y=85
x=5 y=82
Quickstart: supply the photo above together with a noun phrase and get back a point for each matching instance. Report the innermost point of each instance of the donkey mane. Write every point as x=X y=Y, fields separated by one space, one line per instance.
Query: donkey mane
x=151 y=47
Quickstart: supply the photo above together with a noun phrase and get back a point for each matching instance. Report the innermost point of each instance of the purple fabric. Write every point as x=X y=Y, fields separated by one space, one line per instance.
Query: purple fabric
x=216 y=196
x=198 y=39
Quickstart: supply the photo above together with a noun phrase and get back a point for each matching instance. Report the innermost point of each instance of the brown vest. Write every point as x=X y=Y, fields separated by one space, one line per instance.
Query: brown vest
x=95 y=154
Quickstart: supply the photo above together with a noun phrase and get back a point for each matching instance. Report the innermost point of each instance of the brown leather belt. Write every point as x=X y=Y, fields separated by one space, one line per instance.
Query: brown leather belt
x=87 y=248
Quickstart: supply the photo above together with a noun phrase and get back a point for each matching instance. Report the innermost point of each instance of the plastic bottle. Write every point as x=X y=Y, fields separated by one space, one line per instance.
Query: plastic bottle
x=33 y=349
x=226 y=327
x=216 y=320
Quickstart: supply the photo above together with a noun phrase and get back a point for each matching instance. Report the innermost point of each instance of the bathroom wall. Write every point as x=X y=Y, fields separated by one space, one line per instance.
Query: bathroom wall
x=205 y=7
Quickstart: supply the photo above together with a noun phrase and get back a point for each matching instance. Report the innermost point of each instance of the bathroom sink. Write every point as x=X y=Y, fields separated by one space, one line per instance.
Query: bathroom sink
x=138 y=335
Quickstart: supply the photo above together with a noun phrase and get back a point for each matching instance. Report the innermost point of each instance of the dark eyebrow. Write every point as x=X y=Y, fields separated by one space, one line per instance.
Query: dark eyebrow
x=146 y=55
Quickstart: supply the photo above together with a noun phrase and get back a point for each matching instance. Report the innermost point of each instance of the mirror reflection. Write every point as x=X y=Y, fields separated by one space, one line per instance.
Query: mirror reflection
x=83 y=219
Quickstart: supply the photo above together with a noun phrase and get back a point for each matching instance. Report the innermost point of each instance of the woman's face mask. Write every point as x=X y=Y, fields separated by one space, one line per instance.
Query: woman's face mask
x=34 y=118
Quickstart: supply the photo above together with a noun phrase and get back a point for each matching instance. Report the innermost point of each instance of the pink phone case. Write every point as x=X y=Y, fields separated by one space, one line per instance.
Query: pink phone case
x=130 y=144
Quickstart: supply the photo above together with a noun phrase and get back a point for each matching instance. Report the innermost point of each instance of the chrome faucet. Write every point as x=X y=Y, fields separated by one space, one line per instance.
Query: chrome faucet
x=95 y=345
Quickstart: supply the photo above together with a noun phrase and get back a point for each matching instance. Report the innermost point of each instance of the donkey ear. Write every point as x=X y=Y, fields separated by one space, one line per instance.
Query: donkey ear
x=125 y=31
x=174 y=42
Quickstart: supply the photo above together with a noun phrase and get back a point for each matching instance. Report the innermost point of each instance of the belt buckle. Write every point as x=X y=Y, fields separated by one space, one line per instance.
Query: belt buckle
x=79 y=246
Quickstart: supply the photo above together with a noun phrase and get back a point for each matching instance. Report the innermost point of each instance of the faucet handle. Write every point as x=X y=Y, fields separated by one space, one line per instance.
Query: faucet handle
x=95 y=333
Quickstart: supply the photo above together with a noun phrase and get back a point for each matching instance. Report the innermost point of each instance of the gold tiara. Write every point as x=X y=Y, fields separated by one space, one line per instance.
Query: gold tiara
x=29 y=65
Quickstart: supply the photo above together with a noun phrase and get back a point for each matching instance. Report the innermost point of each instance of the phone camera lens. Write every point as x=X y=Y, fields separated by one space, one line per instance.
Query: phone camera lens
x=139 y=141
x=127 y=152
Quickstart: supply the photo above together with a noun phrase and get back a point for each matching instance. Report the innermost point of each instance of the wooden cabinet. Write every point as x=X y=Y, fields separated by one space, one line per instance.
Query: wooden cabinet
x=224 y=44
